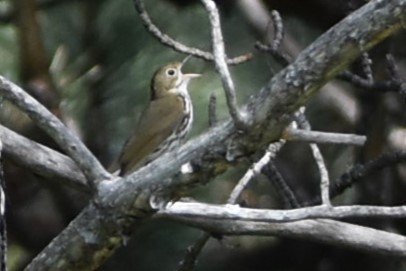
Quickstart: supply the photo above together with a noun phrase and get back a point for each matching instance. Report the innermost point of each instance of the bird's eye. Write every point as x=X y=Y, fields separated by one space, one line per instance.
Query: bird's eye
x=171 y=72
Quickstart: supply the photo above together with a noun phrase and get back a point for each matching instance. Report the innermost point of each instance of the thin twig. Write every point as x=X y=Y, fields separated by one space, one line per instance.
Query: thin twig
x=366 y=64
x=213 y=110
x=90 y=166
x=254 y=170
x=395 y=76
x=274 y=45
x=282 y=58
x=359 y=171
x=221 y=63
x=393 y=84
x=177 y=46
x=292 y=134
x=358 y=81
x=278 y=29
x=318 y=157
x=324 y=179
x=282 y=187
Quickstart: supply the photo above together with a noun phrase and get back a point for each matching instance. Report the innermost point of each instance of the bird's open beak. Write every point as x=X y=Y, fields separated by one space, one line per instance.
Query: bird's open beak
x=191 y=75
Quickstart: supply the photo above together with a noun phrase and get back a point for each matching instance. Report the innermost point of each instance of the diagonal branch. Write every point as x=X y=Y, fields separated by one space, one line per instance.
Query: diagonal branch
x=254 y=170
x=75 y=148
x=358 y=172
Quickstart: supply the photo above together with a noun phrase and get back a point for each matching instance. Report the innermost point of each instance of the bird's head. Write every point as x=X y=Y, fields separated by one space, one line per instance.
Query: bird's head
x=169 y=80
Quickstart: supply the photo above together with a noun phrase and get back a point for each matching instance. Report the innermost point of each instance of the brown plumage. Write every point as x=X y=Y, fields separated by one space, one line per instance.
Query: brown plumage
x=164 y=123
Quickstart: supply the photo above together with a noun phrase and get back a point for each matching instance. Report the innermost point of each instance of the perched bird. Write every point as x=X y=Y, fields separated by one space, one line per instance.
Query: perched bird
x=164 y=123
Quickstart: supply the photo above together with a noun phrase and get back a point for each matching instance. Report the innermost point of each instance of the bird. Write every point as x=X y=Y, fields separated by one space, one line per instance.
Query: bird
x=164 y=123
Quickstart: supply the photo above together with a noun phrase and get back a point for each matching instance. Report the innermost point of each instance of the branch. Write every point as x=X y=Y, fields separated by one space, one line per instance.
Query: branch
x=177 y=46
x=255 y=169
x=235 y=212
x=190 y=259
x=324 y=176
x=274 y=47
x=395 y=83
x=90 y=166
x=292 y=134
x=221 y=63
x=42 y=160
x=359 y=171
x=312 y=64
x=395 y=76
x=303 y=123
x=322 y=230
x=282 y=187
x=278 y=29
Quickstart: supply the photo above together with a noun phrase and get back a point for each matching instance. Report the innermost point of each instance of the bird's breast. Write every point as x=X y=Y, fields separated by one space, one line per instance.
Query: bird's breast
x=185 y=124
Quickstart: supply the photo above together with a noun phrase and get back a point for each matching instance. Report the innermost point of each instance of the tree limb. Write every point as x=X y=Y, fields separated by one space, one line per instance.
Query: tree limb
x=90 y=166
x=321 y=230
x=235 y=212
x=42 y=160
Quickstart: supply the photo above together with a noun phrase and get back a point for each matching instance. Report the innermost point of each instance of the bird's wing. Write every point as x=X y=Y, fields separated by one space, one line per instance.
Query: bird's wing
x=156 y=123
